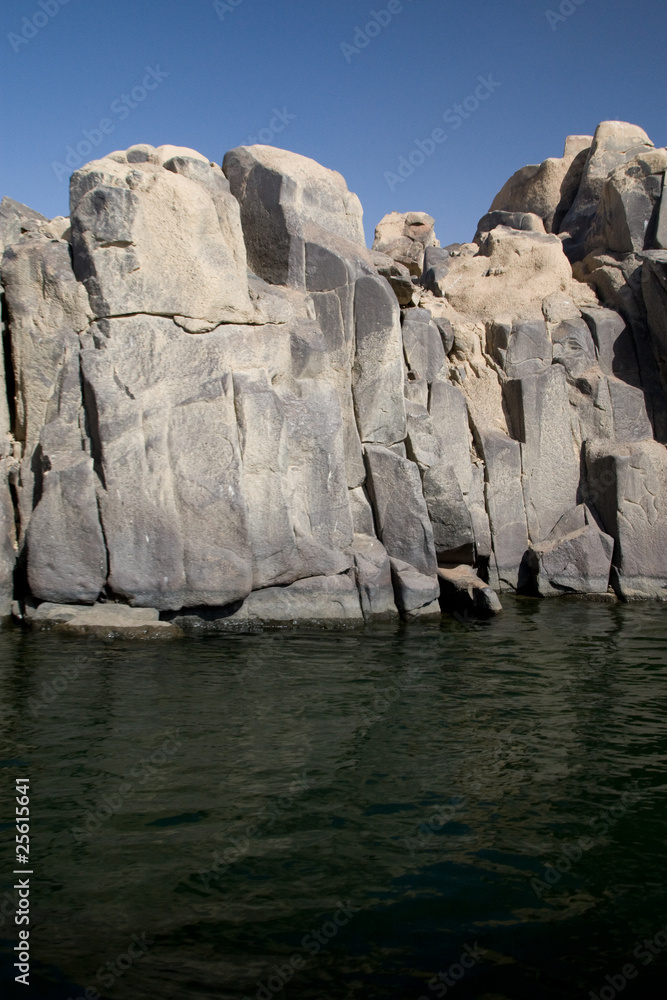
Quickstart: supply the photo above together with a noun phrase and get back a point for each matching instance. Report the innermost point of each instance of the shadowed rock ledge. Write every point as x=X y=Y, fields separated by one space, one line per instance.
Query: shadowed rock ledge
x=220 y=405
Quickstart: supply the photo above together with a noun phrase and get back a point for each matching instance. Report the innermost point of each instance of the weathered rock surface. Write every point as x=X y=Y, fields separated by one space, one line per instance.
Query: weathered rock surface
x=627 y=484
x=159 y=237
x=106 y=621
x=312 y=438
x=7 y=541
x=373 y=576
x=548 y=188
x=579 y=562
x=614 y=144
x=461 y=590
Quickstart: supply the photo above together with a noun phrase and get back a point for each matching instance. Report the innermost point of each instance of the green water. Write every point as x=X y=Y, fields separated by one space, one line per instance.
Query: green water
x=202 y=811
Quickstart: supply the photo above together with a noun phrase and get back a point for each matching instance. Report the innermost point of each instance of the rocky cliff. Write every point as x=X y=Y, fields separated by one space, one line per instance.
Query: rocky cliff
x=221 y=405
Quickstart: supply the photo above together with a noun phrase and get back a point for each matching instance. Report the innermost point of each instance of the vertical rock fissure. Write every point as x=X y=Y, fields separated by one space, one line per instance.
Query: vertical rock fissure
x=10 y=379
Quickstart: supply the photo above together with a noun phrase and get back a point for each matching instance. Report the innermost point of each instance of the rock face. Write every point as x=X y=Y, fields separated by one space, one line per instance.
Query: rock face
x=221 y=406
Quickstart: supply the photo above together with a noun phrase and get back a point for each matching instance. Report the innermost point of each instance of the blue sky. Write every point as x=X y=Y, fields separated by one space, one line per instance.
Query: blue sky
x=220 y=75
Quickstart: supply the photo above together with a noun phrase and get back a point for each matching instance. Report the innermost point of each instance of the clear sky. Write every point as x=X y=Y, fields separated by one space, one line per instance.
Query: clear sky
x=225 y=72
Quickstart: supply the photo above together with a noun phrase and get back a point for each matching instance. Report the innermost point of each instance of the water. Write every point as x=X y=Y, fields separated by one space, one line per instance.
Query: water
x=199 y=809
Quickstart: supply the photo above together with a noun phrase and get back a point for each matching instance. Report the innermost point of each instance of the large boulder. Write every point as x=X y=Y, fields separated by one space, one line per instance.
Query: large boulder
x=463 y=593
x=540 y=417
x=400 y=510
x=158 y=231
x=422 y=344
x=627 y=484
x=66 y=550
x=453 y=534
x=521 y=348
x=546 y=188
x=509 y=277
x=614 y=143
x=299 y=219
x=47 y=309
x=404 y=236
x=578 y=562
x=505 y=505
x=318 y=601
x=627 y=215
x=377 y=371
x=373 y=575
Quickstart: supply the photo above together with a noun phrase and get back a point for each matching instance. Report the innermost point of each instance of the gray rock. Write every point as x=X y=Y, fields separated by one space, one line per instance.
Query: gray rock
x=422 y=446
x=404 y=236
x=47 y=309
x=614 y=344
x=7 y=542
x=628 y=406
x=573 y=346
x=147 y=239
x=450 y=518
x=654 y=291
x=401 y=515
x=316 y=601
x=462 y=591
x=108 y=621
x=373 y=576
x=505 y=504
x=446 y=332
x=174 y=515
x=416 y=390
x=546 y=189
x=416 y=593
x=422 y=344
x=540 y=415
x=67 y=559
x=362 y=512
x=336 y=371
x=396 y=274
x=578 y=562
x=377 y=373
x=437 y=264
x=525 y=221
x=302 y=227
x=14 y=219
x=614 y=143
x=661 y=229
x=627 y=215
x=522 y=348
x=449 y=415
x=627 y=484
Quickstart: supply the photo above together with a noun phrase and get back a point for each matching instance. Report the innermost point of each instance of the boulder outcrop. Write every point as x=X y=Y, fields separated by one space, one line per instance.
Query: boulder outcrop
x=221 y=408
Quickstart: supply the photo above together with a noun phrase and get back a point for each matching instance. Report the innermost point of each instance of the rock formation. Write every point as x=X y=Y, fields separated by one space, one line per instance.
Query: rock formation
x=221 y=406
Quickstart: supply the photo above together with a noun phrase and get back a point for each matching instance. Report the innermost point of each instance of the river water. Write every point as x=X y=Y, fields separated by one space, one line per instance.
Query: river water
x=344 y=814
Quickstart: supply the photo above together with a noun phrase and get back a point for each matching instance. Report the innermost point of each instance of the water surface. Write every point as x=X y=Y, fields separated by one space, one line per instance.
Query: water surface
x=203 y=810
